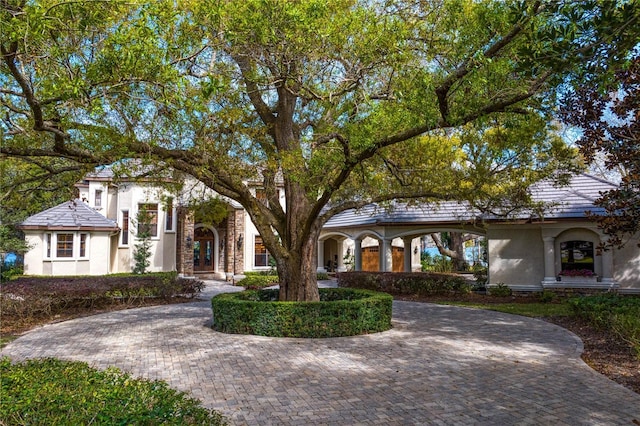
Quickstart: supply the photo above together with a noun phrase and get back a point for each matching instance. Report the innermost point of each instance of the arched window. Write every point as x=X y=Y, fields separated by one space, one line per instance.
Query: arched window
x=577 y=255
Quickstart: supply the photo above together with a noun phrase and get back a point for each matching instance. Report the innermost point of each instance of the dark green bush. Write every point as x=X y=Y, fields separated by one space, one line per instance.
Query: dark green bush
x=322 y=276
x=55 y=392
x=10 y=273
x=411 y=283
x=341 y=312
x=257 y=282
x=619 y=314
x=500 y=290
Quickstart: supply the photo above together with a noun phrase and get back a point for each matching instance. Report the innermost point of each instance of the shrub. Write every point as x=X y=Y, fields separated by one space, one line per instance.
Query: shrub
x=55 y=392
x=341 y=312
x=500 y=290
x=257 y=282
x=413 y=283
x=546 y=296
x=38 y=297
x=619 y=314
x=481 y=277
x=10 y=273
x=436 y=263
x=322 y=276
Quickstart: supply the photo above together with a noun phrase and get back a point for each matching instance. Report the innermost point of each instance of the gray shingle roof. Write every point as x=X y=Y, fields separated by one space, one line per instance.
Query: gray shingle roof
x=568 y=202
x=71 y=215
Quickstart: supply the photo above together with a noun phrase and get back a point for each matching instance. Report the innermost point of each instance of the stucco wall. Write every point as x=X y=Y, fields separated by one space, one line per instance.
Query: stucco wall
x=626 y=266
x=99 y=253
x=33 y=258
x=516 y=256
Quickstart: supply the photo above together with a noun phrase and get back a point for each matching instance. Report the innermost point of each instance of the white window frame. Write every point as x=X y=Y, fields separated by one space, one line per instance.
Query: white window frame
x=97 y=199
x=87 y=244
x=158 y=223
x=50 y=246
x=170 y=208
x=123 y=230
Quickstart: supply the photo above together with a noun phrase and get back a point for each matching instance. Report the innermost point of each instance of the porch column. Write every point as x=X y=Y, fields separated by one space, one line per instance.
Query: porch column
x=386 y=256
x=320 y=267
x=341 y=267
x=357 y=255
x=408 y=254
x=549 y=260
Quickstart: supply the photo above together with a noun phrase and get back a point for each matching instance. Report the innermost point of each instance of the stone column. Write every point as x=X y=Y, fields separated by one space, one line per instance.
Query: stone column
x=320 y=268
x=408 y=254
x=357 y=254
x=239 y=242
x=229 y=245
x=184 y=243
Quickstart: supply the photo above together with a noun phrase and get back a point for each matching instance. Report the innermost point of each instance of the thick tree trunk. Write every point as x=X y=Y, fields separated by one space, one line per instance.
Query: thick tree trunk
x=298 y=277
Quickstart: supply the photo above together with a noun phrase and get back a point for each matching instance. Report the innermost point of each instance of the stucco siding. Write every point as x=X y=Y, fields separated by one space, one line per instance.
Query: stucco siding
x=33 y=264
x=626 y=266
x=516 y=256
x=99 y=253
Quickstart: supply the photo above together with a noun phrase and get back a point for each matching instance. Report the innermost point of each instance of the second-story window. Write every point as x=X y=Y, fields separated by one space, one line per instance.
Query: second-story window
x=98 y=198
x=148 y=219
x=169 y=216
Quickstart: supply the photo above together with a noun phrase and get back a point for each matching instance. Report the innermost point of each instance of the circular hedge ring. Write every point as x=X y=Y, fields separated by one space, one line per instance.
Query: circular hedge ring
x=340 y=312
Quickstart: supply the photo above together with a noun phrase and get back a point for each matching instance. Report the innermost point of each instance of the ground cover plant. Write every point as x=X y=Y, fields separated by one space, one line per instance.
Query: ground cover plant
x=617 y=314
x=55 y=392
x=32 y=300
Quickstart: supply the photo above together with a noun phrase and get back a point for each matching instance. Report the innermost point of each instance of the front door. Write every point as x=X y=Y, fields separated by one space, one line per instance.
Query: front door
x=203 y=254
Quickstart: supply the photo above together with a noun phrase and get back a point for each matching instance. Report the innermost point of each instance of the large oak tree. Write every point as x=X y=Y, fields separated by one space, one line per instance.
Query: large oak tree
x=343 y=102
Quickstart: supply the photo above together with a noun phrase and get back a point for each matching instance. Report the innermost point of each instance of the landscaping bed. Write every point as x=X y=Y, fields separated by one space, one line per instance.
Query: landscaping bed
x=29 y=301
x=340 y=312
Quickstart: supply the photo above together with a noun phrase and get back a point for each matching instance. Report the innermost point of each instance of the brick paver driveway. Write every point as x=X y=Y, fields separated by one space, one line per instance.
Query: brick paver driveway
x=438 y=365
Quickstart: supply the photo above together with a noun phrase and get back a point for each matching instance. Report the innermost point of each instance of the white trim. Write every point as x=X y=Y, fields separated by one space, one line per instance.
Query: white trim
x=121 y=225
x=75 y=249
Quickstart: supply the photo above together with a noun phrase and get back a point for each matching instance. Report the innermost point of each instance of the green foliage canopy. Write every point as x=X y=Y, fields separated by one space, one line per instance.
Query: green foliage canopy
x=340 y=103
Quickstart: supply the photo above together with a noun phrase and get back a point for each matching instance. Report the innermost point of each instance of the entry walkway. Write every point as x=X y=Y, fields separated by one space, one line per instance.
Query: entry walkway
x=438 y=365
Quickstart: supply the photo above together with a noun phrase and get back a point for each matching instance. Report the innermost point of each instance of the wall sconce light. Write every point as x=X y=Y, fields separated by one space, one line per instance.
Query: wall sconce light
x=415 y=250
x=189 y=242
x=240 y=240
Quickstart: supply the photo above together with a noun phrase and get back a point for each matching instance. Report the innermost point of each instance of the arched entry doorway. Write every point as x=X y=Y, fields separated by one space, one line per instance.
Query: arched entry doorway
x=203 y=250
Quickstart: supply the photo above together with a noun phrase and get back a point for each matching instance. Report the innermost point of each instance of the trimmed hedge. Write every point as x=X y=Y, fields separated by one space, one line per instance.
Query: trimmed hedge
x=257 y=282
x=409 y=283
x=340 y=312
x=54 y=392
